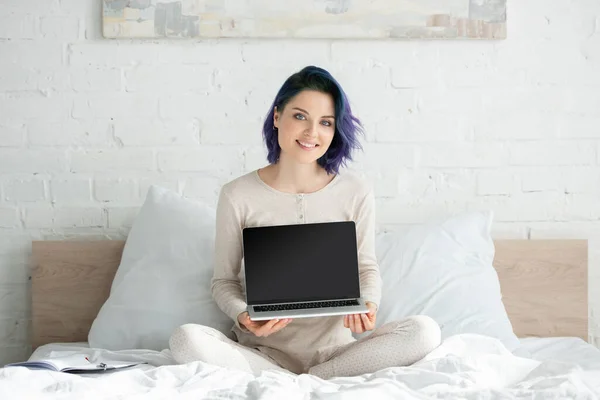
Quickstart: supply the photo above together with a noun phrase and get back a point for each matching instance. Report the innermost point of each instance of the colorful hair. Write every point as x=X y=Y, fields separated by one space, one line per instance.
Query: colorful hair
x=347 y=126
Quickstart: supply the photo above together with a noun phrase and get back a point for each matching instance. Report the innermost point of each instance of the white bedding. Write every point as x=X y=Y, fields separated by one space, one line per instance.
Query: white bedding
x=464 y=367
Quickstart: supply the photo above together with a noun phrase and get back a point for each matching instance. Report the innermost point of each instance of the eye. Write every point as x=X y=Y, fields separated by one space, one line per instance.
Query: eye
x=326 y=123
x=299 y=116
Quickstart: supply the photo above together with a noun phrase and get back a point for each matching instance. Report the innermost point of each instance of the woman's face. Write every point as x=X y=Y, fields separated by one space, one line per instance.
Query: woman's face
x=306 y=126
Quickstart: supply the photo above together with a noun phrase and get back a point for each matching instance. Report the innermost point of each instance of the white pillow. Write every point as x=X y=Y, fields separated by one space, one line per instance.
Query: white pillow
x=164 y=277
x=444 y=270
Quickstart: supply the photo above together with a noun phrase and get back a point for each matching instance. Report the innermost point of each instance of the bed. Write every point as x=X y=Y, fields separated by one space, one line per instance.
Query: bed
x=544 y=286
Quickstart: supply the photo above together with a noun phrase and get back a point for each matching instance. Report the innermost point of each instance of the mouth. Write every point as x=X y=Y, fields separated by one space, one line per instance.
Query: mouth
x=306 y=145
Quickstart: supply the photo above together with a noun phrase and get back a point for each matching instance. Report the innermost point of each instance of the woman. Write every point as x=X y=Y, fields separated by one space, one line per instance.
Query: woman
x=310 y=133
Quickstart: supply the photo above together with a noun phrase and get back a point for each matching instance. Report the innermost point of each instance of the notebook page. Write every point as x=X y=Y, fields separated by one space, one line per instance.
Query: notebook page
x=77 y=361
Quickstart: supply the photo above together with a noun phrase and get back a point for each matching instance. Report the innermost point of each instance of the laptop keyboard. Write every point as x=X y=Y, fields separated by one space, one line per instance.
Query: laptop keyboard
x=304 y=306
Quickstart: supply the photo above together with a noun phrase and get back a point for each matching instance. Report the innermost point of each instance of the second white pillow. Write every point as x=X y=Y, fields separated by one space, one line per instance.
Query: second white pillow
x=444 y=270
x=164 y=277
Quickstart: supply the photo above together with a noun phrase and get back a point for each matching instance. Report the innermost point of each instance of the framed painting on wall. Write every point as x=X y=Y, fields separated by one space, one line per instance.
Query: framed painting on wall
x=318 y=19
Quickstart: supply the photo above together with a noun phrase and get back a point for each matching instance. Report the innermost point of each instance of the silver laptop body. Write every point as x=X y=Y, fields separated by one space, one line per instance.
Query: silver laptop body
x=302 y=270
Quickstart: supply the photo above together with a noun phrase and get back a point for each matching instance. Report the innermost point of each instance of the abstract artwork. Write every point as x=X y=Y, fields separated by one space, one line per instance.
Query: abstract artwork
x=318 y=19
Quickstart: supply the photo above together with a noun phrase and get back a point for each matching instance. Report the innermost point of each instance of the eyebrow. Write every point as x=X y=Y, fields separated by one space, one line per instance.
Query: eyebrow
x=306 y=112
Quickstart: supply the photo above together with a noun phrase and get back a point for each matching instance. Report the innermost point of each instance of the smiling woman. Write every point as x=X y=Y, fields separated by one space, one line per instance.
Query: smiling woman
x=310 y=133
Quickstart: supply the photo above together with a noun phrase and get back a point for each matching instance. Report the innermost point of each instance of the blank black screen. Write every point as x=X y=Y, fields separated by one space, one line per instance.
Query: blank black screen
x=302 y=262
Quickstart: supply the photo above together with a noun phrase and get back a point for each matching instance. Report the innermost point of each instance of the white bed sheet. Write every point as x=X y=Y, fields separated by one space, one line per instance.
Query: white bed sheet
x=463 y=367
x=564 y=349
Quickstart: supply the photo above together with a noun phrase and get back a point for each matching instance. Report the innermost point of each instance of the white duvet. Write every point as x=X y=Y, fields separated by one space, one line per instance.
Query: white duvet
x=463 y=367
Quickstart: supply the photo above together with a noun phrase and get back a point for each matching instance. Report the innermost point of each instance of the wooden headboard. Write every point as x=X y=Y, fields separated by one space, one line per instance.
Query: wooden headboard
x=544 y=286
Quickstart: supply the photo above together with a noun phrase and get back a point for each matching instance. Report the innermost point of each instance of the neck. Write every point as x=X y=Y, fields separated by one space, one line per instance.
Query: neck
x=298 y=178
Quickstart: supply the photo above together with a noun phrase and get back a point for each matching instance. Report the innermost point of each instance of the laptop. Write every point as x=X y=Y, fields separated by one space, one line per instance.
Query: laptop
x=302 y=270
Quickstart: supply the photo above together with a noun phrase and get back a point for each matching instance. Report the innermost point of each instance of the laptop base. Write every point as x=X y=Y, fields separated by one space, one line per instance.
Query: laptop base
x=361 y=308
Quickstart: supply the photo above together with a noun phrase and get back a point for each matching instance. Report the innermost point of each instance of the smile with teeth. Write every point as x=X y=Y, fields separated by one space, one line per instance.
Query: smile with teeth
x=307 y=145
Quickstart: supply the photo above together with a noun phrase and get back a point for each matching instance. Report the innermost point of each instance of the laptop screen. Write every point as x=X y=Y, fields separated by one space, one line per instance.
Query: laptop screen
x=305 y=262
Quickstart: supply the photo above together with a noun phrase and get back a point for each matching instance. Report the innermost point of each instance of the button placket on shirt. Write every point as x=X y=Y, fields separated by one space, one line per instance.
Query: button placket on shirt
x=300 y=201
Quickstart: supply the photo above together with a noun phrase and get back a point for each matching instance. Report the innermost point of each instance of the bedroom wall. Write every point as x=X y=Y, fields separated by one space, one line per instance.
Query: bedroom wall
x=87 y=124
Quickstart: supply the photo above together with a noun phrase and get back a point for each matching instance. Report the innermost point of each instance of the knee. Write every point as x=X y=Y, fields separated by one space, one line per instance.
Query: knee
x=186 y=339
x=180 y=340
x=422 y=329
x=427 y=330
x=190 y=331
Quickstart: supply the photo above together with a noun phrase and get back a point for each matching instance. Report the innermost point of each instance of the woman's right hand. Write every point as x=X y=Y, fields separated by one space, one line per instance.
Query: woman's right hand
x=262 y=328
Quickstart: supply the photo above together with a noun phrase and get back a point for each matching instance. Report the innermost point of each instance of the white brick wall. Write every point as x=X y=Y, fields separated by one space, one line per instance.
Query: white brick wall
x=157 y=132
x=138 y=160
x=116 y=190
x=22 y=191
x=9 y=217
x=70 y=189
x=87 y=125
x=33 y=161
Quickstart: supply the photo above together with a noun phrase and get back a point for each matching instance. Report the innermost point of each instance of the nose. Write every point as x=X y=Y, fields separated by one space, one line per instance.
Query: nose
x=311 y=131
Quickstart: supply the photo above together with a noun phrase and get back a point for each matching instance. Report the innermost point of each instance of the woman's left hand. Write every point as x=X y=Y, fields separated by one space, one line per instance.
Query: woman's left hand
x=359 y=323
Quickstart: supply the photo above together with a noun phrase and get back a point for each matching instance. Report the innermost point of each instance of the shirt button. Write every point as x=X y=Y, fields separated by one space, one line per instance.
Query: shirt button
x=301 y=216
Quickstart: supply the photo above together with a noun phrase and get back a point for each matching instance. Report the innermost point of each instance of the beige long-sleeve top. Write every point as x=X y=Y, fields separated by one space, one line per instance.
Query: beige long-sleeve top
x=248 y=202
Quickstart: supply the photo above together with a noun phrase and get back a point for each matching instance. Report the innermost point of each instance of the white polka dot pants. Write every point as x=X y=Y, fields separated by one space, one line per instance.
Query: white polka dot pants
x=394 y=344
x=192 y=342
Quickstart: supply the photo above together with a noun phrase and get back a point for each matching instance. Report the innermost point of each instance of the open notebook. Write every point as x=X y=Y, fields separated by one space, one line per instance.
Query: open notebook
x=75 y=364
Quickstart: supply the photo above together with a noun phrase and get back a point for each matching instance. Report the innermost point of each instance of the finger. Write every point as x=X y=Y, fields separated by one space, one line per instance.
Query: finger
x=372 y=315
x=361 y=323
x=266 y=328
x=254 y=327
x=248 y=323
x=357 y=324
x=368 y=325
x=251 y=326
x=346 y=321
x=279 y=326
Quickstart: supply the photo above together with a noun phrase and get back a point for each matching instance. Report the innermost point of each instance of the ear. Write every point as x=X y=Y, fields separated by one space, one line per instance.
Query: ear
x=275 y=117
